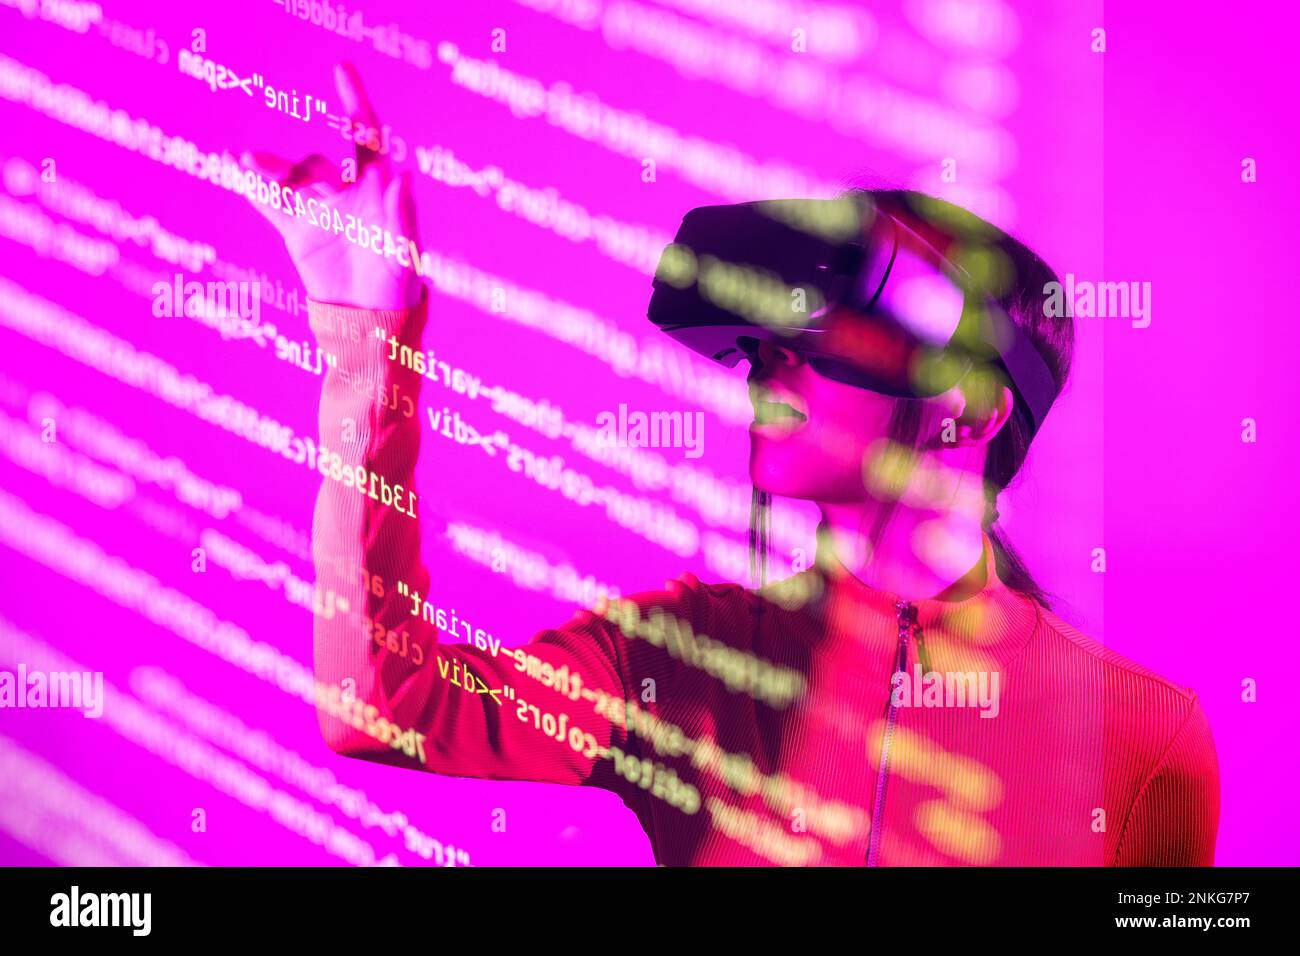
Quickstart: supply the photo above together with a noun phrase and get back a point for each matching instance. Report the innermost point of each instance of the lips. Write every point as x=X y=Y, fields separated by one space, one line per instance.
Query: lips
x=776 y=411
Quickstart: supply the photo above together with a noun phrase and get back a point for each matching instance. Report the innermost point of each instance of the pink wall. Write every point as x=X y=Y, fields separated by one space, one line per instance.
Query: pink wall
x=1200 y=526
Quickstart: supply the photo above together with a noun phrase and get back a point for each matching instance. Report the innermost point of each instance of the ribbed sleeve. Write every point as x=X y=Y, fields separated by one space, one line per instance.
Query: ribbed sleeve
x=353 y=536
x=388 y=688
x=1175 y=818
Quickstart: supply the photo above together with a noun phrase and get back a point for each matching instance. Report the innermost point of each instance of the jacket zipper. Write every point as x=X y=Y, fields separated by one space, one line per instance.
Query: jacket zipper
x=904 y=609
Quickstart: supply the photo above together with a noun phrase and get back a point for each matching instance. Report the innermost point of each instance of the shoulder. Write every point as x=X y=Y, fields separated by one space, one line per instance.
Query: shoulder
x=1147 y=715
x=721 y=608
x=694 y=634
x=1073 y=646
x=729 y=611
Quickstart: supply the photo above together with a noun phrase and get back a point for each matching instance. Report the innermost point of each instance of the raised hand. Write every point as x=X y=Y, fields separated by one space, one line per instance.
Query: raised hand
x=334 y=266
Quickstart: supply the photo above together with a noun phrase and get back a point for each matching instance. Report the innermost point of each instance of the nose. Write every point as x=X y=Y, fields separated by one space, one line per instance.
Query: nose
x=766 y=356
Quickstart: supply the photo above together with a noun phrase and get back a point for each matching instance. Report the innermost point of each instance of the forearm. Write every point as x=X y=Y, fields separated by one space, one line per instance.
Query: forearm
x=366 y=530
x=385 y=652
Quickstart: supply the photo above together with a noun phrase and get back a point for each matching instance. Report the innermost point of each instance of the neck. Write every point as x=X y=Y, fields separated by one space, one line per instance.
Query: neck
x=922 y=553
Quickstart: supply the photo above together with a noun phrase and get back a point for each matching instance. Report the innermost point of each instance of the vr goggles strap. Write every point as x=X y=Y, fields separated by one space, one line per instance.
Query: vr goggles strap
x=1030 y=377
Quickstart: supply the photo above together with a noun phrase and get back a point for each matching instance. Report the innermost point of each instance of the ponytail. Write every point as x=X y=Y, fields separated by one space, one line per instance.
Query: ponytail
x=1012 y=571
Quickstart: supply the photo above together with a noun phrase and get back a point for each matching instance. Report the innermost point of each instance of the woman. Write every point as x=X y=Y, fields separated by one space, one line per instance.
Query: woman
x=908 y=700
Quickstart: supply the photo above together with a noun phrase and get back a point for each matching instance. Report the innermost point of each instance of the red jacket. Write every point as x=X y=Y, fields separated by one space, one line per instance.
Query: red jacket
x=821 y=722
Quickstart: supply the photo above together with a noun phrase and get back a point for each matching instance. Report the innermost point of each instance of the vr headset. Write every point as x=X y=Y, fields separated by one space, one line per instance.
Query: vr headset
x=867 y=290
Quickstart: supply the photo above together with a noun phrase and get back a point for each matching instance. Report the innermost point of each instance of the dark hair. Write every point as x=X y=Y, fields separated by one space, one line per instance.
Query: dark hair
x=1017 y=279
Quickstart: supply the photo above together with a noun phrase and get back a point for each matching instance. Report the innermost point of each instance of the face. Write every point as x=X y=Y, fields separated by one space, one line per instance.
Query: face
x=810 y=433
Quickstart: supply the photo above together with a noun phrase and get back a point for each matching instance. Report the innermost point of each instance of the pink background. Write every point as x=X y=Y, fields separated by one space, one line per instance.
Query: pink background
x=1118 y=166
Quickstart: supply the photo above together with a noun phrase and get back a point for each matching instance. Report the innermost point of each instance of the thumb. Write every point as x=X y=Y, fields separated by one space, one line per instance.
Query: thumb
x=399 y=204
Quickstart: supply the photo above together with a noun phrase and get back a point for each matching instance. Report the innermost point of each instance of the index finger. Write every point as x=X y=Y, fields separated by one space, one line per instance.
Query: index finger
x=355 y=101
x=357 y=105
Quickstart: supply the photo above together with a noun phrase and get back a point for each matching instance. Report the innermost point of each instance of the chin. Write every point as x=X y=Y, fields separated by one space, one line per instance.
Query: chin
x=768 y=475
x=787 y=472
x=794 y=467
